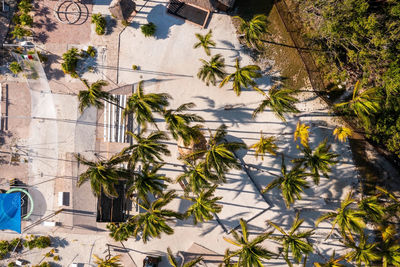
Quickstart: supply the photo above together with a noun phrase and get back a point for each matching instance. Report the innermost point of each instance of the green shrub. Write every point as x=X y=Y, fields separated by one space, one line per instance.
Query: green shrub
x=15 y=67
x=70 y=63
x=20 y=32
x=4 y=248
x=16 y=242
x=135 y=67
x=149 y=29
x=100 y=22
x=25 y=6
x=91 y=51
x=11 y=264
x=26 y=20
x=37 y=242
x=56 y=258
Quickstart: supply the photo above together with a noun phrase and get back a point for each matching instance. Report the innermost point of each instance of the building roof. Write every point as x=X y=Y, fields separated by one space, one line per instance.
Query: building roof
x=112 y=209
x=211 y=5
x=228 y=3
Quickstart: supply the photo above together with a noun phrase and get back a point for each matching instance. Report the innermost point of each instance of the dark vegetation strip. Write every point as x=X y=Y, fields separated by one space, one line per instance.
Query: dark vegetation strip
x=358 y=146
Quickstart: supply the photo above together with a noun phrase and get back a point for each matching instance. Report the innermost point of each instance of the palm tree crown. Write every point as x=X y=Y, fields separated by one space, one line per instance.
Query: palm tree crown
x=346 y=218
x=205 y=42
x=266 y=144
x=362 y=104
x=280 y=101
x=142 y=105
x=197 y=177
x=363 y=252
x=293 y=242
x=204 y=205
x=291 y=183
x=147 y=181
x=93 y=96
x=243 y=77
x=219 y=156
x=146 y=149
x=389 y=247
x=250 y=253
x=253 y=29
x=178 y=122
x=212 y=69
x=302 y=133
x=103 y=175
x=111 y=262
x=151 y=223
x=319 y=160
x=342 y=133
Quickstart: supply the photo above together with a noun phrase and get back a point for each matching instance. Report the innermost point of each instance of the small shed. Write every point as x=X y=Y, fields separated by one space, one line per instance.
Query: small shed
x=122 y=9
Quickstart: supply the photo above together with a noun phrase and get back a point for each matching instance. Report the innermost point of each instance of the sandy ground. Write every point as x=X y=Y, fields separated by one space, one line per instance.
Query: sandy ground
x=168 y=63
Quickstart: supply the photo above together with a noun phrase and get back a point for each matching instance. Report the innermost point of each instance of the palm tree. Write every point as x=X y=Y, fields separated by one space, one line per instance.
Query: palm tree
x=151 y=224
x=332 y=262
x=372 y=209
x=296 y=243
x=291 y=183
x=147 y=181
x=219 y=156
x=142 y=105
x=146 y=149
x=243 y=78
x=253 y=30
x=342 y=133
x=250 y=253
x=197 y=177
x=280 y=101
x=103 y=174
x=266 y=144
x=302 y=133
x=204 y=205
x=362 y=252
x=111 y=262
x=172 y=260
x=178 y=122
x=93 y=96
x=362 y=104
x=389 y=247
x=319 y=160
x=212 y=69
x=205 y=42
x=346 y=218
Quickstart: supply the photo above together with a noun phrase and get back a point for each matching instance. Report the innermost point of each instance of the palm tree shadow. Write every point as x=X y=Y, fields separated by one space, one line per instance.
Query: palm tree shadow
x=234 y=115
x=210 y=102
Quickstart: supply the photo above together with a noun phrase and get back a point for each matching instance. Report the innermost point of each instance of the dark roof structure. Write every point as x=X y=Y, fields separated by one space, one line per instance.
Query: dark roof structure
x=122 y=9
x=112 y=209
x=212 y=5
x=192 y=13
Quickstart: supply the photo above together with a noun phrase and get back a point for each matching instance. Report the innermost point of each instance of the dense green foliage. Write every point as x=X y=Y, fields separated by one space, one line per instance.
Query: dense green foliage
x=37 y=242
x=149 y=29
x=15 y=67
x=359 y=40
x=70 y=63
x=100 y=22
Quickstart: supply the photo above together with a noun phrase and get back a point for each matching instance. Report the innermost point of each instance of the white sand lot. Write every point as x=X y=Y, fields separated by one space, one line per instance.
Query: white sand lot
x=168 y=63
